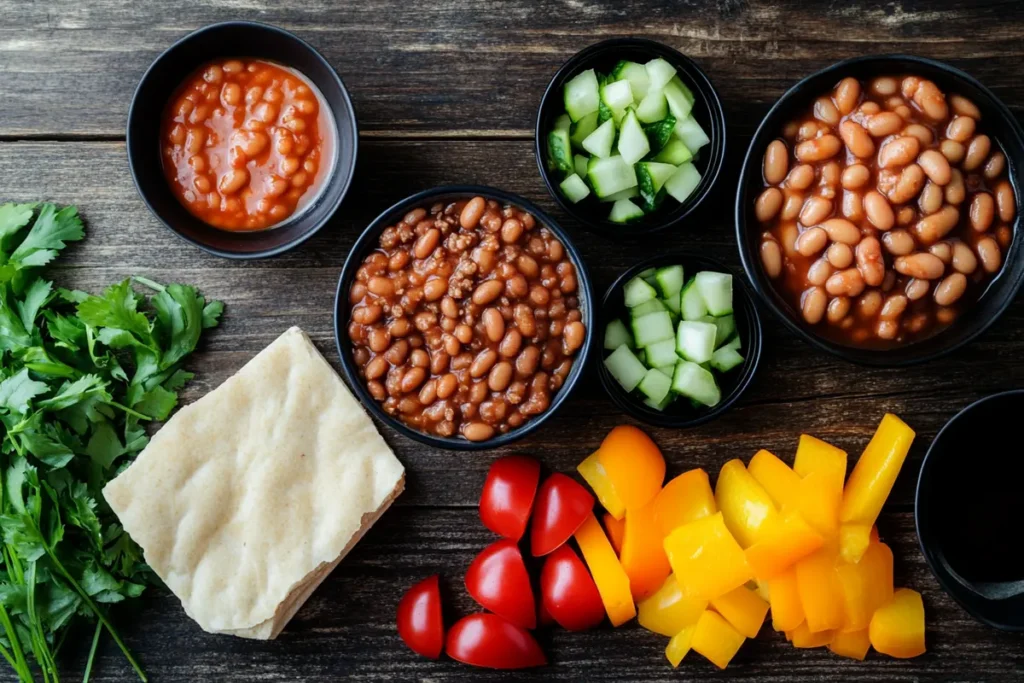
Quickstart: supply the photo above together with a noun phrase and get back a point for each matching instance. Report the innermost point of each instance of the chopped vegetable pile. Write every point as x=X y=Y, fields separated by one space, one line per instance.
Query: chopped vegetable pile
x=79 y=377
x=629 y=137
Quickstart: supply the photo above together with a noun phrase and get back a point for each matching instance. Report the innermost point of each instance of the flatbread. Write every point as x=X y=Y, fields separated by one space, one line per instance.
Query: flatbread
x=248 y=498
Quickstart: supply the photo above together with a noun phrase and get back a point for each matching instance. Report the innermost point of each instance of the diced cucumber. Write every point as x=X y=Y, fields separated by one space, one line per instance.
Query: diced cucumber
x=678 y=103
x=647 y=274
x=655 y=385
x=581 y=95
x=641 y=355
x=659 y=72
x=559 y=151
x=603 y=113
x=695 y=382
x=563 y=122
x=725 y=359
x=651 y=177
x=637 y=291
x=599 y=143
x=670 y=281
x=579 y=131
x=574 y=188
x=656 y=327
x=695 y=341
x=617 y=96
x=628 y=193
x=736 y=343
x=726 y=325
x=636 y=74
x=625 y=368
x=660 y=132
x=653 y=107
x=625 y=211
x=633 y=143
x=683 y=182
x=691 y=303
x=663 y=404
x=580 y=163
x=672 y=304
x=716 y=290
x=690 y=132
x=674 y=152
x=652 y=306
x=611 y=175
x=685 y=89
x=660 y=354
x=616 y=334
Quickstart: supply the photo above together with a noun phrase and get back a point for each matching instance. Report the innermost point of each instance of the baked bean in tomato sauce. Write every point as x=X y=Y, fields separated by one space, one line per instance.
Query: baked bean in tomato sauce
x=466 y=319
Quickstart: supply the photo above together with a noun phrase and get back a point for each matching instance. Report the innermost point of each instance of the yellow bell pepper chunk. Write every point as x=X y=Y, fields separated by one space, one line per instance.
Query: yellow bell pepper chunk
x=815 y=455
x=866 y=586
x=854 y=539
x=593 y=473
x=686 y=498
x=745 y=505
x=877 y=563
x=667 y=611
x=744 y=609
x=643 y=553
x=612 y=582
x=761 y=588
x=818 y=498
x=633 y=464
x=787 y=610
x=777 y=478
x=679 y=646
x=897 y=628
x=706 y=559
x=852 y=644
x=803 y=637
x=616 y=530
x=821 y=594
x=783 y=541
x=874 y=475
x=716 y=639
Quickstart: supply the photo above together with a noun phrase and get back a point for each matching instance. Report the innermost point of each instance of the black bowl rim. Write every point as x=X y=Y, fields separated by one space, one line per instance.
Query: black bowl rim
x=752 y=347
x=854 y=354
x=949 y=585
x=718 y=142
x=359 y=249
x=345 y=180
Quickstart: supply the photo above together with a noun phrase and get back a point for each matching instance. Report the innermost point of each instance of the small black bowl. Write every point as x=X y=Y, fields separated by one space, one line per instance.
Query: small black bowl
x=161 y=80
x=369 y=241
x=707 y=110
x=680 y=413
x=967 y=507
x=997 y=121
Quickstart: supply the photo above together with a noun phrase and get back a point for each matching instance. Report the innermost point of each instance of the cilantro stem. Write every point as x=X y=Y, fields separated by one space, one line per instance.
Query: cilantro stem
x=92 y=652
x=19 y=663
x=143 y=280
x=133 y=413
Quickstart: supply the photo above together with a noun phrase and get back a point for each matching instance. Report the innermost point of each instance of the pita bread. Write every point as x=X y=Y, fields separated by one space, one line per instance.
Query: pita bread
x=247 y=499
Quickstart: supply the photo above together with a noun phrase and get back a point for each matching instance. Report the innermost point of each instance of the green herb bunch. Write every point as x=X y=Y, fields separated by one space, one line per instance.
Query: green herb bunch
x=79 y=377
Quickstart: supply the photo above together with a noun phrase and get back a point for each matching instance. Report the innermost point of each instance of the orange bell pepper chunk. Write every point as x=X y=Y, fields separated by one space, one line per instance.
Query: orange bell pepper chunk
x=818 y=498
x=821 y=594
x=594 y=474
x=716 y=639
x=777 y=478
x=745 y=505
x=897 y=628
x=643 y=553
x=612 y=582
x=761 y=588
x=744 y=609
x=874 y=535
x=815 y=455
x=667 y=611
x=784 y=540
x=684 y=499
x=803 y=637
x=866 y=586
x=634 y=466
x=852 y=644
x=706 y=559
x=784 y=597
x=616 y=530
x=877 y=563
x=679 y=646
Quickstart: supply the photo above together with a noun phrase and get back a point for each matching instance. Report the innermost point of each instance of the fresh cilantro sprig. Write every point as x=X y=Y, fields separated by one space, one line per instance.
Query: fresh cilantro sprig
x=80 y=375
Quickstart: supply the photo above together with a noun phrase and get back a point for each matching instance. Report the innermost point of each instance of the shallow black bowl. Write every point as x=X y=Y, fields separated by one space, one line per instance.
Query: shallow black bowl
x=997 y=122
x=369 y=241
x=707 y=109
x=681 y=413
x=959 y=480
x=236 y=39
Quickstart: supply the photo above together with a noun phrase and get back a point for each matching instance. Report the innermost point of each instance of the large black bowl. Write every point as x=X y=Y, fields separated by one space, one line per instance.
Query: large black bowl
x=997 y=121
x=236 y=39
x=370 y=240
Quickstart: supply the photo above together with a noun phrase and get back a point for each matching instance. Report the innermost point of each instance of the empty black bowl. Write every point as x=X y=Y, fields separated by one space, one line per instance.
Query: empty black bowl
x=707 y=109
x=997 y=122
x=236 y=39
x=370 y=240
x=680 y=413
x=967 y=510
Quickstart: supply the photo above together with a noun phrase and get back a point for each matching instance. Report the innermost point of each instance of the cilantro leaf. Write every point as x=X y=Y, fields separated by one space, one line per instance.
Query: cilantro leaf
x=179 y=321
x=35 y=296
x=49 y=234
x=17 y=391
x=211 y=314
x=157 y=403
x=13 y=217
x=117 y=308
x=74 y=392
x=104 y=447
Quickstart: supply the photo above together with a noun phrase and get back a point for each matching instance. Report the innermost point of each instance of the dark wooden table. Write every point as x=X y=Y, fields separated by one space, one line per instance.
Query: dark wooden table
x=446 y=91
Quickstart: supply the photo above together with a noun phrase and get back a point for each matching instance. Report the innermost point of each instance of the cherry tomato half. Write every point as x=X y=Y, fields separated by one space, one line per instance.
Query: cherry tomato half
x=419 y=618
x=561 y=508
x=489 y=641
x=498 y=580
x=508 y=495
x=568 y=593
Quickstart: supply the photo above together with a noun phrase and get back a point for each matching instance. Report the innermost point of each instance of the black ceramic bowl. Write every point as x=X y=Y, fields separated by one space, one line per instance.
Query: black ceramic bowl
x=997 y=121
x=707 y=109
x=369 y=241
x=680 y=413
x=967 y=507
x=241 y=39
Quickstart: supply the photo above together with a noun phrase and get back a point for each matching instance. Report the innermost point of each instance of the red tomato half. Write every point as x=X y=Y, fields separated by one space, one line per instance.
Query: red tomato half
x=544 y=617
x=568 y=593
x=562 y=507
x=498 y=580
x=488 y=640
x=508 y=495
x=419 y=618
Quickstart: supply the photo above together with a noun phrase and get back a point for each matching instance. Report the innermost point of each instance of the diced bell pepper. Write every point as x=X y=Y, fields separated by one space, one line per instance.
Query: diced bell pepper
x=686 y=498
x=667 y=611
x=706 y=559
x=612 y=582
x=744 y=504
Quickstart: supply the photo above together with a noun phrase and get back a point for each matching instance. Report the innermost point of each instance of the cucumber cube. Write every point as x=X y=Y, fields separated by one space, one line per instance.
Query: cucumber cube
x=559 y=151
x=670 y=281
x=691 y=303
x=726 y=325
x=655 y=385
x=636 y=74
x=678 y=103
x=579 y=131
x=695 y=341
x=674 y=152
x=661 y=354
x=616 y=334
x=660 y=132
x=716 y=290
x=652 y=306
x=625 y=211
x=736 y=343
x=647 y=273
x=725 y=359
x=690 y=132
x=599 y=143
x=625 y=368
x=617 y=96
x=580 y=164
x=574 y=188
x=651 y=177
x=683 y=88
x=659 y=72
x=611 y=175
x=683 y=182
x=637 y=291
x=628 y=193
x=581 y=95
x=663 y=404
x=672 y=304
x=652 y=108
x=656 y=327
x=633 y=143
x=693 y=381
